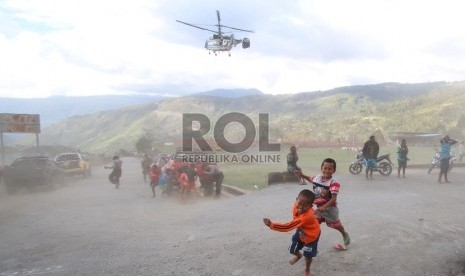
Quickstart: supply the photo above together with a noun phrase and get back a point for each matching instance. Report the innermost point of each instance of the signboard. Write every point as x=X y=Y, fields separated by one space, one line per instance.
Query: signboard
x=19 y=123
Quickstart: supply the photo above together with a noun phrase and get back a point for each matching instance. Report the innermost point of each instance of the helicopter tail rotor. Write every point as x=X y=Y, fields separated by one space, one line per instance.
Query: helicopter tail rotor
x=245 y=43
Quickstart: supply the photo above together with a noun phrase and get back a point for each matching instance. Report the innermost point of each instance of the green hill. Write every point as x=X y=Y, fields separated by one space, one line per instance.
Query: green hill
x=341 y=114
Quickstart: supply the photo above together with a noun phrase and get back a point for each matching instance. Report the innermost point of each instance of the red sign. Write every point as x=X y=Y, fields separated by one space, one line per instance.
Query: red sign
x=19 y=123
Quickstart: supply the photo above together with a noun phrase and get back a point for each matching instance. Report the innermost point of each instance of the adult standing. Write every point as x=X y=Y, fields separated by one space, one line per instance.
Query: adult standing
x=402 y=152
x=215 y=175
x=146 y=164
x=444 y=156
x=370 y=153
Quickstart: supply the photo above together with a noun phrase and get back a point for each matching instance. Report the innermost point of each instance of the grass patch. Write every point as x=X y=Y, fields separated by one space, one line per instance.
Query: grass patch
x=253 y=176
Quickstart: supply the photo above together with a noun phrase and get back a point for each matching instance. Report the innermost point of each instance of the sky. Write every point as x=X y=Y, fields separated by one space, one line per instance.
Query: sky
x=88 y=47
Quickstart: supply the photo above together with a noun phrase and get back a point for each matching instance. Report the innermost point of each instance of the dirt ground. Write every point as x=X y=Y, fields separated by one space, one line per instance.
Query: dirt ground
x=411 y=226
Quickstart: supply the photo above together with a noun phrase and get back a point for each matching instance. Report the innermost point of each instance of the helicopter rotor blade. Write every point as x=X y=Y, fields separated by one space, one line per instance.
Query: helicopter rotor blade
x=237 y=29
x=219 y=21
x=192 y=25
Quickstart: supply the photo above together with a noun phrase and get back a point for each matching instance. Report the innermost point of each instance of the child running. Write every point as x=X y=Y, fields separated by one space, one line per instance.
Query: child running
x=154 y=177
x=187 y=179
x=326 y=189
x=308 y=229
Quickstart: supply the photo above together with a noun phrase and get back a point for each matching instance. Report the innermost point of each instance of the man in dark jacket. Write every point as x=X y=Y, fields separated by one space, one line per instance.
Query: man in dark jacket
x=370 y=153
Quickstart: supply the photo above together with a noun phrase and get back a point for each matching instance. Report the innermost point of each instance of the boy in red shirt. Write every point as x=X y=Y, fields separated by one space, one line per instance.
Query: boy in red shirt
x=326 y=189
x=187 y=179
x=308 y=229
x=154 y=177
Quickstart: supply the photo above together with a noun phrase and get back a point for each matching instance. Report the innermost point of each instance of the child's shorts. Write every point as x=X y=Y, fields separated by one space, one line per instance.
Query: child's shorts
x=309 y=250
x=330 y=216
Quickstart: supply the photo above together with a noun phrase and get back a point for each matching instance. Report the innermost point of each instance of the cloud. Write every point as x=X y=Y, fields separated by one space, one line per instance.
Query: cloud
x=83 y=47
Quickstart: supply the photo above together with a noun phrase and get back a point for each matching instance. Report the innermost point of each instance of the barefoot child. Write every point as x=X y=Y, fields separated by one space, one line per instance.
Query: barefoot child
x=187 y=179
x=154 y=177
x=326 y=189
x=308 y=229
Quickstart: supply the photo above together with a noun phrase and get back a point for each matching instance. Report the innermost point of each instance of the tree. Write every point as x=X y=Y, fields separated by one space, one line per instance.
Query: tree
x=144 y=144
x=379 y=136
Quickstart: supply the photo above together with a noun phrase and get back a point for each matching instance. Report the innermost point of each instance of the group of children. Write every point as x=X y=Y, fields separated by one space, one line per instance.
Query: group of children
x=307 y=221
x=157 y=173
x=184 y=178
x=166 y=179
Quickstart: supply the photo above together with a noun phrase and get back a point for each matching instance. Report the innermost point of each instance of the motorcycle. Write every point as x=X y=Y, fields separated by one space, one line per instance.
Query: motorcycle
x=383 y=165
x=436 y=162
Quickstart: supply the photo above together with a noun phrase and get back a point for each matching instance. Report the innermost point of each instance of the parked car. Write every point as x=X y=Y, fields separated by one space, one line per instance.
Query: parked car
x=28 y=172
x=74 y=163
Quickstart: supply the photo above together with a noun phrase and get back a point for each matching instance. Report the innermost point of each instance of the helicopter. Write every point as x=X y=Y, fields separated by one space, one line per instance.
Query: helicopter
x=221 y=41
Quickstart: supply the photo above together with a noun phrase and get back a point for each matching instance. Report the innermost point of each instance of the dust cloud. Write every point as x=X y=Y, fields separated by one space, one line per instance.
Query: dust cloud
x=411 y=226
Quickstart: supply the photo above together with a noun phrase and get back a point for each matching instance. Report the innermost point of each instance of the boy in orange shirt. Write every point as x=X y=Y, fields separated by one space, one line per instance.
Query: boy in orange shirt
x=308 y=229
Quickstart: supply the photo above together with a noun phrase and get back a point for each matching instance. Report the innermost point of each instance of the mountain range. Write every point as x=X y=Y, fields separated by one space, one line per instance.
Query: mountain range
x=347 y=113
x=56 y=108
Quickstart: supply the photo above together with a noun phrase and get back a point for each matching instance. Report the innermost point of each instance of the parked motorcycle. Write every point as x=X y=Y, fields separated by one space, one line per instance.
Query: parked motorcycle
x=383 y=165
x=436 y=162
